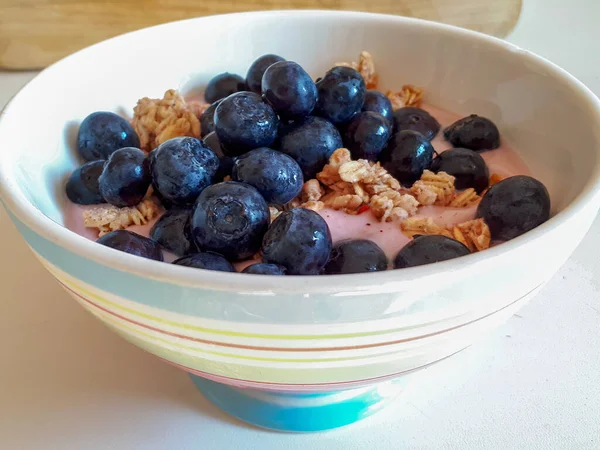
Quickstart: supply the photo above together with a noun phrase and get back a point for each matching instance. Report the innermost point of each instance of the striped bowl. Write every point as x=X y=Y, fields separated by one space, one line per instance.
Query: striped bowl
x=304 y=353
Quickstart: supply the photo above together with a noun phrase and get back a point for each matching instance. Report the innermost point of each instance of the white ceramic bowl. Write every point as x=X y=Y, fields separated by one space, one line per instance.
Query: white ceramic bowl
x=272 y=344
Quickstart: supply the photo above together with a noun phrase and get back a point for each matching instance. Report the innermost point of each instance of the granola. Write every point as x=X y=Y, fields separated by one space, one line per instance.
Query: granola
x=434 y=188
x=464 y=199
x=409 y=95
x=158 y=120
x=107 y=218
x=474 y=234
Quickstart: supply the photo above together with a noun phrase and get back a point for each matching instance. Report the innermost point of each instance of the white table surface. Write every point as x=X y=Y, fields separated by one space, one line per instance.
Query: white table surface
x=66 y=382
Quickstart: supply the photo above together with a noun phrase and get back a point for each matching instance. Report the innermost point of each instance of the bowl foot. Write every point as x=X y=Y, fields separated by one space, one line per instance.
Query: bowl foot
x=301 y=412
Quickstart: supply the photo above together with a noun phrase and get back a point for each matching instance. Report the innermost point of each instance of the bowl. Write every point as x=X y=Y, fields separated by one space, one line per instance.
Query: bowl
x=314 y=352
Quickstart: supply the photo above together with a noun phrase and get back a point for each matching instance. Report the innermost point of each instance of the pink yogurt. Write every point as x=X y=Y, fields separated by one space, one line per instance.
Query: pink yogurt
x=503 y=161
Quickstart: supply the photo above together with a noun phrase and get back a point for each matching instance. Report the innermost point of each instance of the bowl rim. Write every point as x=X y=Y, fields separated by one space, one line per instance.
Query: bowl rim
x=390 y=280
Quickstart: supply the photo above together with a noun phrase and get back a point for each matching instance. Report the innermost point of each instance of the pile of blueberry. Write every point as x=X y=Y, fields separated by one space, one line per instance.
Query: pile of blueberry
x=269 y=132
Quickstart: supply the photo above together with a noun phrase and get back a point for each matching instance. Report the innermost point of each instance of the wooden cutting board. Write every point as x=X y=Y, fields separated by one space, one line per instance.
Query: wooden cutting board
x=36 y=33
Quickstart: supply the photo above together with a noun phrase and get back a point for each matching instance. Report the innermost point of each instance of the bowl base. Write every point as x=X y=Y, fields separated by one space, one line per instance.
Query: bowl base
x=301 y=412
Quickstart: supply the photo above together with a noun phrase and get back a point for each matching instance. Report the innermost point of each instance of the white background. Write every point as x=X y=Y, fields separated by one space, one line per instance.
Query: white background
x=66 y=382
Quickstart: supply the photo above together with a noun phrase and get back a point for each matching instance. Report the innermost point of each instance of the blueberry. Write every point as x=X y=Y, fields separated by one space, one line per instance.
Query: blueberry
x=225 y=162
x=207 y=120
x=356 y=256
x=101 y=133
x=406 y=156
x=467 y=166
x=514 y=206
x=82 y=187
x=265 y=269
x=341 y=94
x=428 y=249
x=257 y=69
x=311 y=143
x=473 y=132
x=276 y=175
x=243 y=122
x=289 y=90
x=132 y=243
x=378 y=102
x=299 y=240
x=181 y=168
x=223 y=85
x=416 y=119
x=173 y=232
x=367 y=135
x=230 y=218
x=125 y=178
x=207 y=261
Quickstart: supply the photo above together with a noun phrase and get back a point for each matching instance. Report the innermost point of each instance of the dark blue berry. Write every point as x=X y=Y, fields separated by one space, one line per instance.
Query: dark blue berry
x=101 y=133
x=473 y=132
x=207 y=261
x=125 y=178
x=416 y=119
x=181 y=168
x=341 y=94
x=514 y=206
x=289 y=90
x=243 y=122
x=276 y=175
x=429 y=249
x=225 y=162
x=467 y=166
x=265 y=269
x=223 y=85
x=378 y=102
x=356 y=256
x=257 y=69
x=230 y=218
x=299 y=240
x=207 y=120
x=311 y=143
x=406 y=156
x=132 y=243
x=367 y=135
x=82 y=187
x=173 y=232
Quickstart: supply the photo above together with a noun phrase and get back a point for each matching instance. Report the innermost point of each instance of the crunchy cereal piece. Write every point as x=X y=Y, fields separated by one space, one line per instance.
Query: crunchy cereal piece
x=354 y=171
x=474 y=234
x=361 y=192
x=466 y=198
x=110 y=218
x=392 y=205
x=313 y=205
x=409 y=95
x=292 y=204
x=227 y=178
x=352 y=65
x=329 y=175
x=366 y=67
x=423 y=226
x=434 y=188
x=339 y=157
x=158 y=120
x=312 y=191
x=348 y=202
x=274 y=212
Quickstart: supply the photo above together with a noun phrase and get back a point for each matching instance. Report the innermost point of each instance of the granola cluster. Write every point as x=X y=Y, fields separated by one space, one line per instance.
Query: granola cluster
x=474 y=234
x=409 y=95
x=438 y=189
x=107 y=218
x=158 y=120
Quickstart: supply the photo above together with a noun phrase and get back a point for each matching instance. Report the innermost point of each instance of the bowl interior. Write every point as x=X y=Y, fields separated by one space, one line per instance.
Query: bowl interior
x=541 y=116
